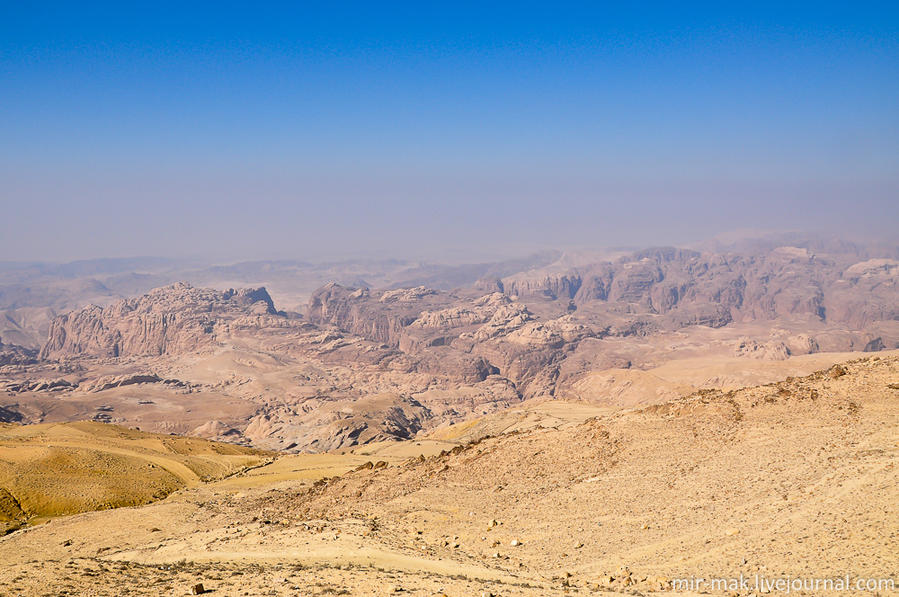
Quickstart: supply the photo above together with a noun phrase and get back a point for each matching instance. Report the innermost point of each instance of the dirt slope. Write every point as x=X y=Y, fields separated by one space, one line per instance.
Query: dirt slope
x=56 y=469
x=796 y=478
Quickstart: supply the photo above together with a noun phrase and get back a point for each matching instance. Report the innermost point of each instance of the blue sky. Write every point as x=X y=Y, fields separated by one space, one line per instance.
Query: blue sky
x=317 y=130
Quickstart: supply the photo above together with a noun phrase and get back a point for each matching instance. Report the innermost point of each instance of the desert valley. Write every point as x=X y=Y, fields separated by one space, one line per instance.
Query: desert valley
x=562 y=424
x=449 y=299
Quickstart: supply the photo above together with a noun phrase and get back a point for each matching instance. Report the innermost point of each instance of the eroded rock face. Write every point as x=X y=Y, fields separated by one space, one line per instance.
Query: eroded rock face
x=315 y=386
x=380 y=317
x=552 y=286
x=333 y=425
x=715 y=289
x=481 y=311
x=169 y=320
x=10 y=354
x=366 y=365
x=534 y=320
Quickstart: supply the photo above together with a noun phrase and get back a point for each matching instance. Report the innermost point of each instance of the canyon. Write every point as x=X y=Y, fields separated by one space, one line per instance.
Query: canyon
x=358 y=364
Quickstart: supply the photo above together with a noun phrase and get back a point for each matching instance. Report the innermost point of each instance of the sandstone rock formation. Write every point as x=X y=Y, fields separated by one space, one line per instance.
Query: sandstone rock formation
x=320 y=380
x=173 y=319
x=11 y=354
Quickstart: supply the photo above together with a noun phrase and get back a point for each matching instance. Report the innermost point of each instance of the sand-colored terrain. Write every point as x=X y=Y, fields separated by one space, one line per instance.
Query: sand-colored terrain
x=796 y=478
x=55 y=469
x=679 y=376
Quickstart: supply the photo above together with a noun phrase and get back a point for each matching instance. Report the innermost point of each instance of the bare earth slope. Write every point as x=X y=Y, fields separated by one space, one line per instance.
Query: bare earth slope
x=57 y=469
x=792 y=479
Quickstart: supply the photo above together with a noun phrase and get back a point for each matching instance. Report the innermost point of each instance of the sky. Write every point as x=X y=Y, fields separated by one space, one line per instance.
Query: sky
x=312 y=130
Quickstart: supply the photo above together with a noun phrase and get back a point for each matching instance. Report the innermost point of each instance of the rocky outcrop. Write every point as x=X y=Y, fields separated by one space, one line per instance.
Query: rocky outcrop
x=170 y=320
x=551 y=286
x=505 y=320
x=707 y=314
x=356 y=311
x=867 y=292
x=9 y=415
x=332 y=425
x=406 y=295
x=215 y=430
x=715 y=289
x=770 y=351
x=481 y=311
x=108 y=382
x=10 y=354
x=37 y=385
x=533 y=320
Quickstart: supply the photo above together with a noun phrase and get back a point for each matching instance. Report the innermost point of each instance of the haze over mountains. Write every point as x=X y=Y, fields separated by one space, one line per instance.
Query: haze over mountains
x=32 y=293
x=389 y=350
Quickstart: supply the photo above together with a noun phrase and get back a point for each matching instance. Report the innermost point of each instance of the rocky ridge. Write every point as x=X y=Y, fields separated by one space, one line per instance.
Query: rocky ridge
x=170 y=320
x=364 y=365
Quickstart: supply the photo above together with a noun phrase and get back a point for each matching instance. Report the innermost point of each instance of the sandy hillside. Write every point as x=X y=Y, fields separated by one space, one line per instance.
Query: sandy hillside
x=56 y=469
x=795 y=478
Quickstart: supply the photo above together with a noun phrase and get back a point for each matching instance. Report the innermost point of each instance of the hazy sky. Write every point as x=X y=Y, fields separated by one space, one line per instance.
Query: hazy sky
x=306 y=130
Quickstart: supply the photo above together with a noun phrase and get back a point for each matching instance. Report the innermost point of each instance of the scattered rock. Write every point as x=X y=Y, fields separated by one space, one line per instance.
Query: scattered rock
x=837 y=371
